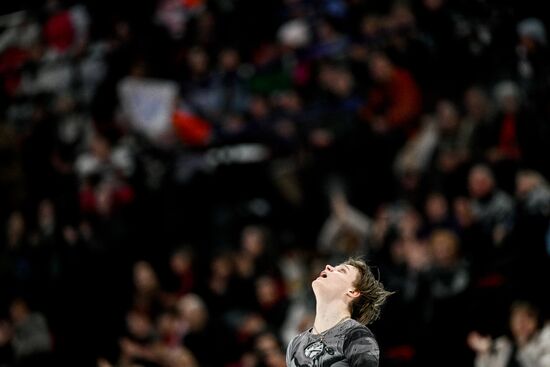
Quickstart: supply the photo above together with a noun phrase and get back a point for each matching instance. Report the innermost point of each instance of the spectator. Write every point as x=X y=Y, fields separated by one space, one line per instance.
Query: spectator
x=531 y=49
x=272 y=301
x=16 y=266
x=206 y=341
x=345 y=232
x=533 y=214
x=508 y=138
x=181 y=265
x=138 y=345
x=451 y=274
x=478 y=115
x=436 y=210
x=11 y=173
x=492 y=207
x=330 y=42
x=394 y=102
x=391 y=110
x=270 y=350
x=32 y=344
x=452 y=151
x=477 y=244
x=533 y=193
x=217 y=290
x=449 y=280
x=524 y=348
x=148 y=297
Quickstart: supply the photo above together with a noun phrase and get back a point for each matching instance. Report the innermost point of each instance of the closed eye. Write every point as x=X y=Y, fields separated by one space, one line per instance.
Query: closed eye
x=344 y=269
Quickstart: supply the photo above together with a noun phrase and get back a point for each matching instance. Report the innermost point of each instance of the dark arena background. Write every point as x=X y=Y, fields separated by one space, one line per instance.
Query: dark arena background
x=174 y=173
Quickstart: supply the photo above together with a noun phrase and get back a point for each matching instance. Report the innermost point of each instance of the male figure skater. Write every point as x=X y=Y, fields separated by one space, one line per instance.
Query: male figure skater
x=348 y=297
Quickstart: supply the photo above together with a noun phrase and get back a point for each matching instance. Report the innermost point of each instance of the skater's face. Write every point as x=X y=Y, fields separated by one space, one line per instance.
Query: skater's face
x=335 y=282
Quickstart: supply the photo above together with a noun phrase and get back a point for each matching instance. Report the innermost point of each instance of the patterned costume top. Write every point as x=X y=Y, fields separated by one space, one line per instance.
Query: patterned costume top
x=348 y=343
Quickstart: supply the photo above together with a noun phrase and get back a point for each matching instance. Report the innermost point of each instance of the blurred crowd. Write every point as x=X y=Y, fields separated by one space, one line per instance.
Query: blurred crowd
x=175 y=173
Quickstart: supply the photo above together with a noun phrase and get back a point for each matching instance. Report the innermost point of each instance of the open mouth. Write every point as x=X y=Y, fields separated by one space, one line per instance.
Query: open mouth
x=323 y=275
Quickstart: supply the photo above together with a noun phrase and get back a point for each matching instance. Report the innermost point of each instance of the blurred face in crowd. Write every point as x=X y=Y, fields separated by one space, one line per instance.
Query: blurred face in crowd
x=205 y=25
x=229 y=59
x=197 y=61
x=145 y=278
x=416 y=254
x=335 y=282
x=221 y=266
x=410 y=179
x=402 y=16
x=259 y=107
x=463 y=211
x=16 y=227
x=397 y=252
x=476 y=102
x=138 y=69
x=100 y=148
x=447 y=116
x=381 y=68
x=325 y=31
x=138 y=324
x=337 y=80
x=269 y=349
x=46 y=214
x=244 y=265
x=253 y=241
x=409 y=223
x=480 y=182
x=343 y=83
x=267 y=292
x=104 y=199
x=509 y=103
x=183 y=357
x=528 y=43
x=19 y=311
x=444 y=246
x=507 y=96
x=64 y=104
x=526 y=182
x=167 y=324
x=289 y=101
x=523 y=323
x=180 y=262
x=266 y=343
x=122 y=30
x=436 y=207
x=370 y=26
x=326 y=76
x=193 y=311
x=433 y=5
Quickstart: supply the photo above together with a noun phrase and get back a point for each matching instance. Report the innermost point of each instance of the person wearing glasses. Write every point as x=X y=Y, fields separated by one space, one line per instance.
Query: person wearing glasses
x=348 y=297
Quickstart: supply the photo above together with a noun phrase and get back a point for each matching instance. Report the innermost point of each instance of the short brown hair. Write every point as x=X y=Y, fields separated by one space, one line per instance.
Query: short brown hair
x=367 y=306
x=528 y=307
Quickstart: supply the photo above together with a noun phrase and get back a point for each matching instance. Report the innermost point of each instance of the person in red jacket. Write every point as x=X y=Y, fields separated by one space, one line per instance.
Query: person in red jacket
x=391 y=110
x=394 y=102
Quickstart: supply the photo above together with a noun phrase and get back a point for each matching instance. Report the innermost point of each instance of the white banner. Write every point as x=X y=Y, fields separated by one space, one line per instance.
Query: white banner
x=148 y=104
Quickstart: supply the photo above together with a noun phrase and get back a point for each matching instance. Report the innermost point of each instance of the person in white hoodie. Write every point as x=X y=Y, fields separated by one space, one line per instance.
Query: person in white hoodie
x=527 y=347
